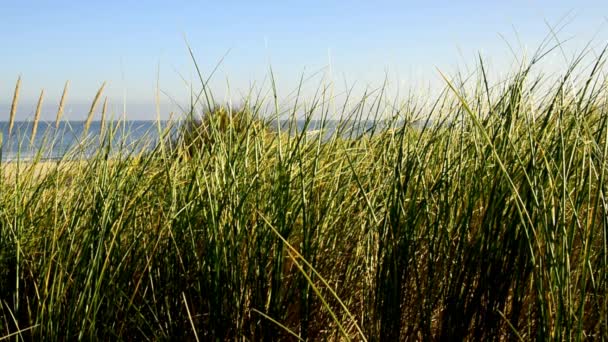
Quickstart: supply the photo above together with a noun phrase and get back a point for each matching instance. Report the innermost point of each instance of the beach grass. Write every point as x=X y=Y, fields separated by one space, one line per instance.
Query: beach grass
x=479 y=214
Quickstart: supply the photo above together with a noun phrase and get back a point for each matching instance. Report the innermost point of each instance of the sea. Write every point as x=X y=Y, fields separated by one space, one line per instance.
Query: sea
x=70 y=140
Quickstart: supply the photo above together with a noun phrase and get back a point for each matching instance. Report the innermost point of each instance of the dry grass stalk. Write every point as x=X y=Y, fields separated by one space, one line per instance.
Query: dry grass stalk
x=14 y=106
x=93 y=106
x=37 y=117
x=61 y=104
x=103 y=115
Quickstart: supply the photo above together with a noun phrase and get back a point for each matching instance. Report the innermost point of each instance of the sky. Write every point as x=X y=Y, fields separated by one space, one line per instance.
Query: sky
x=138 y=47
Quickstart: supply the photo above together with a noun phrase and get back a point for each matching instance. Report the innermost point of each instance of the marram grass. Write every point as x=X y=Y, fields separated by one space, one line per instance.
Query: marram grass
x=37 y=117
x=14 y=106
x=61 y=104
x=487 y=221
x=91 y=114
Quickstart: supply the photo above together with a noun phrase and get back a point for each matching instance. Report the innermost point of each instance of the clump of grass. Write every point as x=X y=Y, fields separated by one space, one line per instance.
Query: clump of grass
x=486 y=222
x=197 y=134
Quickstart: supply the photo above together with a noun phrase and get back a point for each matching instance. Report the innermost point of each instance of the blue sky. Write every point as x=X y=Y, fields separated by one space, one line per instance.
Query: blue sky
x=131 y=43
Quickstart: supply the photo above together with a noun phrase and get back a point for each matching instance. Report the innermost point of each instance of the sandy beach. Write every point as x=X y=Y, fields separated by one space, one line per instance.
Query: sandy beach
x=10 y=170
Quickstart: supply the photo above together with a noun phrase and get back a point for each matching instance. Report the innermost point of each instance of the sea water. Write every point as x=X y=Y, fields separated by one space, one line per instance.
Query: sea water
x=70 y=140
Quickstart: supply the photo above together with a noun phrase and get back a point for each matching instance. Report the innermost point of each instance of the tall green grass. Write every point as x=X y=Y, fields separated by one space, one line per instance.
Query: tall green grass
x=486 y=221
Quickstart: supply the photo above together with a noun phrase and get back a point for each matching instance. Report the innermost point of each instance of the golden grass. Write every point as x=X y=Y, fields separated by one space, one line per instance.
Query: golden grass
x=61 y=104
x=37 y=117
x=14 y=106
x=93 y=106
x=103 y=115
